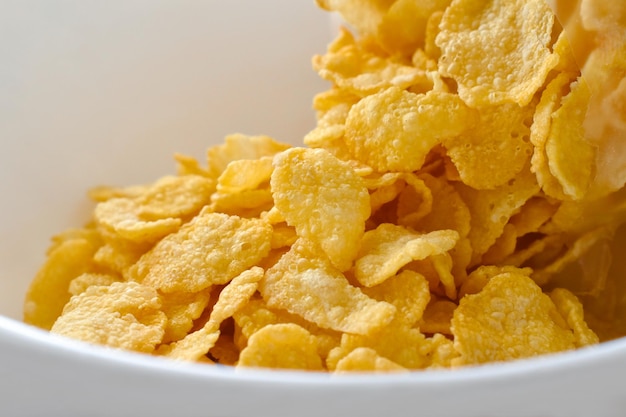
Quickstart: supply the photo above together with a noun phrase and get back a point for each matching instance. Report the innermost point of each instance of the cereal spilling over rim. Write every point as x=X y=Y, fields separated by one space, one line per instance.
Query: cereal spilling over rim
x=455 y=205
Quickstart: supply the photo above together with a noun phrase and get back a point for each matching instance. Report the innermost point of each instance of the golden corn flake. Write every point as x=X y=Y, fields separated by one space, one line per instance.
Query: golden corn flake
x=123 y=315
x=356 y=68
x=571 y=157
x=498 y=51
x=534 y=214
x=397 y=342
x=80 y=284
x=540 y=131
x=49 y=290
x=500 y=140
x=188 y=165
x=389 y=247
x=256 y=314
x=503 y=247
x=364 y=359
x=365 y=15
x=282 y=346
x=408 y=292
x=305 y=283
x=104 y=193
x=437 y=317
x=118 y=255
x=448 y=210
x=323 y=199
x=385 y=194
x=121 y=216
x=491 y=210
x=245 y=174
x=394 y=130
x=397 y=31
x=181 y=310
x=414 y=202
x=177 y=197
x=479 y=277
x=238 y=147
x=572 y=311
x=510 y=318
x=211 y=249
x=235 y=295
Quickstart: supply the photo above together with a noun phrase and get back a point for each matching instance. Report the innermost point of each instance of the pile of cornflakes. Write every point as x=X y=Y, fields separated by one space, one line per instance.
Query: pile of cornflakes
x=455 y=205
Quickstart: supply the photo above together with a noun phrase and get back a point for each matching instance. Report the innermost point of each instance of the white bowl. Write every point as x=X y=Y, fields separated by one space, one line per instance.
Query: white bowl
x=104 y=92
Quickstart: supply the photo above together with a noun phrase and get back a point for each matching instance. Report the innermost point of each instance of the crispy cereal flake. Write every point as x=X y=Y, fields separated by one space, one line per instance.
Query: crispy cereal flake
x=509 y=319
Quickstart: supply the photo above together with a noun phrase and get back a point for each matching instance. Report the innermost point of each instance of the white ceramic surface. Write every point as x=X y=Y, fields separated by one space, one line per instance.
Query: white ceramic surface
x=105 y=91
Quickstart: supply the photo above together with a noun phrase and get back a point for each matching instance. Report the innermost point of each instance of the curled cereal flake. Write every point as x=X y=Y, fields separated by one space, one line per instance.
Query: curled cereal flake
x=442 y=352
x=408 y=292
x=386 y=193
x=432 y=30
x=324 y=199
x=490 y=210
x=232 y=298
x=180 y=197
x=104 y=193
x=365 y=15
x=479 y=277
x=238 y=147
x=235 y=295
x=534 y=214
x=283 y=236
x=121 y=216
x=499 y=140
x=305 y=283
x=283 y=346
x=394 y=130
x=256 y=314
x=48 y=292
x=448 y=210
x=80 y=284
x=414 y=202
x=397 y=342
x=443 y=266
x=225 y=352
x=502 y=248
x=332 y=106
x=245 y=174
x=248 y=203
x=188 y=165
x=364 y=359
x=356 y=68
x=389 y=247
x=571 y=156
x=497 y=50
x=118 y=255
x=403 y=27
x=181 y=309
x=437 y=317
x=572 y=311
x=540 y=132
x=123 y=315
x=509 y=319
x=211 y=249
x=89 y=234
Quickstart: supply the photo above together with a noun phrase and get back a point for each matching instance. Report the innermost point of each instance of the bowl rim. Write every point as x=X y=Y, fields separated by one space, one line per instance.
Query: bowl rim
x=22 y=334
